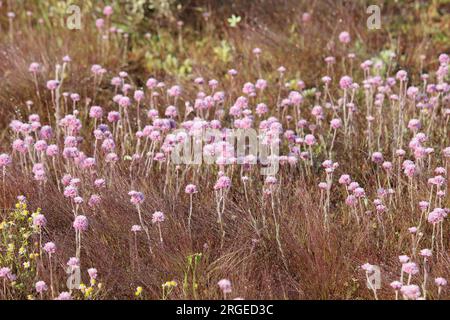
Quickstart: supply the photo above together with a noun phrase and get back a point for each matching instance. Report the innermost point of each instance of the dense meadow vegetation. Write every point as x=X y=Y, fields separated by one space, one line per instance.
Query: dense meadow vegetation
x=96 y=100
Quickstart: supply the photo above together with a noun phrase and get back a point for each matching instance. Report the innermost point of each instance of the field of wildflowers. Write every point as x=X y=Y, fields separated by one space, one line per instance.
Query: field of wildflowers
x=224 y=150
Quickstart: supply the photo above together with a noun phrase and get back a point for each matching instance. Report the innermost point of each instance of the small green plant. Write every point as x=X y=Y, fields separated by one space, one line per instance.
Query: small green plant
x=193 y=262
x=223 y=51
x=234 y=20
x=167 y=289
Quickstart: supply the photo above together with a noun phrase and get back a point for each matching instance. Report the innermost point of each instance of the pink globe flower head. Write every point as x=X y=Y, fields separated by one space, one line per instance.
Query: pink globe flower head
x=310 y=140
x=306 y=17
x=377 y=157
x=94 y=200
x=34 y=67
x=345 y=179
x=256 y=51
x=96 y=112
x=50 y=248
x=174 y=91
x=444 y=59
x=5 y=273
x=99 y=183
x=436 y=216
x=124 y=102
x=190 y=189
x=402 y=75
x=410 y=268
x=113 y=116
x=158 y=217
x=367 y=267
x=387 y=165
x=414 y=125
x=70 y=191
x=222 y=183
x=41 y=287
x=5 y=160
x=359 y=192
x=423 y=205
x=396 y=285
x=139 y=95
x=64 y=296
x=412 y=230
x=92 y=273
x=344 y=37
x=261 y=108
x=100 y=23
x=225 y=285
x=345 y=82
x=323 y=186
x=136 y=197
x=46 y=132
x=40 y=221
x=73 y=262
x=81 y=223
x=40 y=146
x=151 y=83
x=440 y=282
x=403 y=259
x=336 y=123
x=410 y=292
x=136 y=228
x=52 y=84
x=426 y=253
x=108 y=11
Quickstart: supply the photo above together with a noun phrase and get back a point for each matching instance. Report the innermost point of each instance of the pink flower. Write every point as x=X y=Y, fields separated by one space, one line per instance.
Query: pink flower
x=345 y=82
x=52 y=84
x=92 y=273
x=40 y=221
x=367 y=267
x=41 y=287
x=81 y=223
x=73 y=262
x=410 y=268
x=440 y=282
x=225 y=285
x=34 y=67
x=107 y=11
x=411 y=292
x=436 y=216
x=136 y=228
x=136 y=197
x=96 y=112
x=158 y=217
x=345 y=179
x=50 y=247
x=426 y=253
x=396 y=285
x=5 y=159
x=138 y=95
x=94 y=200
x=64 y=296
x=310 y=139
x=403 y=259
x=222 y=183
x=336 y=123
x=344 y=37
x=377 y=157
x=100 y=23
x=191 y=188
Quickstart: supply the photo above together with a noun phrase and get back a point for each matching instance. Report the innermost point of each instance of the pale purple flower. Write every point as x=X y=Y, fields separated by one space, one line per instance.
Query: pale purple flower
x=80 y=223
x=41 y=287
x=50 y=247
x=158 y=217
x=225 y=285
